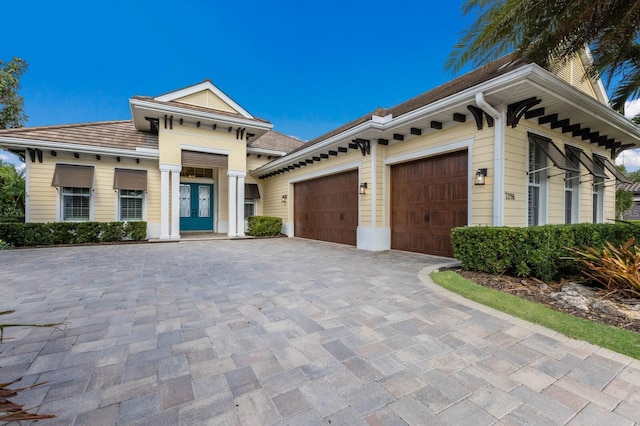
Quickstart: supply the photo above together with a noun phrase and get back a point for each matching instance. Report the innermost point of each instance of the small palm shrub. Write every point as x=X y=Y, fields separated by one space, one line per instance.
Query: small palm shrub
x=617 y=269
x=4 y=245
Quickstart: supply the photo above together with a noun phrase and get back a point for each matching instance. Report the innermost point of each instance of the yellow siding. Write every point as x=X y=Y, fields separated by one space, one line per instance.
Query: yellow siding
x=223 y=197
x=170 y=141
x=253 y=163
x=43 y=198
x=515 y=181
x=573 y=73
x=555 y=187
x=206 y=99
x=277 y=186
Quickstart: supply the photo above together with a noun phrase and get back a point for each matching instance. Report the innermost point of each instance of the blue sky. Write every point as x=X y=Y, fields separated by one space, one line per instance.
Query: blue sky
x=308 y=67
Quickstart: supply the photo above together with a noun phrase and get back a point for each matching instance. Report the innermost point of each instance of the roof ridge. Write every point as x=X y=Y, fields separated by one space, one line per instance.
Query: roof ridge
x=288 y=136
x=64 y=126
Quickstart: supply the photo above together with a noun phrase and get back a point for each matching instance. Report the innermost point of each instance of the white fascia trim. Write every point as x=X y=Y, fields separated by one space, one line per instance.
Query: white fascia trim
x=149 y=151
x=463 y=97
x=428 y=152
x=176 y=168
x=236 y=173
x=552 y=85
x=33 y=143
x=325 y=172
x=389 y=122
x=265 y=151
x=205 y=85
x=276 y=164
x=196 y=148
x=171 y=109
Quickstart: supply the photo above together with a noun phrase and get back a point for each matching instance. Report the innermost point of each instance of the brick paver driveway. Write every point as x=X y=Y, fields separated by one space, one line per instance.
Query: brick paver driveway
x=286 y=331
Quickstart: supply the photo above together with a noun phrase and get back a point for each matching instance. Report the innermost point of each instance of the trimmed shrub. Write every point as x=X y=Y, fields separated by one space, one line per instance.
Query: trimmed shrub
x=42 y=234
x=536 y=251
x=264 y=226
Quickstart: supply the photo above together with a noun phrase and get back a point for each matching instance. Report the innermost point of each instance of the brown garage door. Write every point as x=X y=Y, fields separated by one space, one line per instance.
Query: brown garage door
x=327 y=208
x=428 y=198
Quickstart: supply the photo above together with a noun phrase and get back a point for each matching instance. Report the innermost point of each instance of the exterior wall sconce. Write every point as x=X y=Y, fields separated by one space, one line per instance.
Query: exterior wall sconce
x=480 y=175
x=284 y=198
x=363 y=188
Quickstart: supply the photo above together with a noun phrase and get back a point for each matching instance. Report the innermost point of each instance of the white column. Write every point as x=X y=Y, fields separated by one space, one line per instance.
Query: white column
x=164 y=202
x=175 y=202
x=240 y=224
x=233 y=203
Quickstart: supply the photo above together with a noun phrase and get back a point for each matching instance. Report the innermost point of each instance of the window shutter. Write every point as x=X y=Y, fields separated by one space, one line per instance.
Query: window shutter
x=71 y=176
x=134 y=180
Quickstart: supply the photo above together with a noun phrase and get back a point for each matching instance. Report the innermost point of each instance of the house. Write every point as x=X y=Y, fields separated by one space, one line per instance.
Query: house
x=508 y=144
x=634 y=212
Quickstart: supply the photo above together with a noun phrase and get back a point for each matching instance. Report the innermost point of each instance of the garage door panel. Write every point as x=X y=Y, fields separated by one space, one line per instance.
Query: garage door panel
x=328 y=208
x=422 y=223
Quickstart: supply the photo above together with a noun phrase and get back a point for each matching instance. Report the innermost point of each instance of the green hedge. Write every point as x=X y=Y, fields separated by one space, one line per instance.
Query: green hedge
x=42 y=234
x=536 y=251
x=264 y=226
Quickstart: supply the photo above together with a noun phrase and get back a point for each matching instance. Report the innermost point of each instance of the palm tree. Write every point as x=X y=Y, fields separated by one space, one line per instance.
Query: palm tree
x=552 y=31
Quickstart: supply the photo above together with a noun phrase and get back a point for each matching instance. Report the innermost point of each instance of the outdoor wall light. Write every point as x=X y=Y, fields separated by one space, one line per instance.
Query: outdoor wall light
x=284 y=198
x=480 y=175
x=363 y=188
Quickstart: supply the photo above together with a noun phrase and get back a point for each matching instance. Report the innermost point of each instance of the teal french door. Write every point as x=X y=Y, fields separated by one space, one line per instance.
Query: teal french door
x=196 y=207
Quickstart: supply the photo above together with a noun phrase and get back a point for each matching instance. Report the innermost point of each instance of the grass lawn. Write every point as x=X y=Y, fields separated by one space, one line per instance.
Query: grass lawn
x=618 y=340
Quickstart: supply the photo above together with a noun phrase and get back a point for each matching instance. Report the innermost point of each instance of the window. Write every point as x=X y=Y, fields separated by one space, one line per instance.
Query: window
x=537 y=184
x=131 y=186
x=598 y=191
x=131 y=202
x=249 y=209
x=74 y=183
x=572 y=189
x=76 y=204
x=196 y=172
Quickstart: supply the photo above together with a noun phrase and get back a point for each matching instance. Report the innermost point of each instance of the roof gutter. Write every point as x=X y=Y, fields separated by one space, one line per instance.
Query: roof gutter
x=150 y=154
x=498 y=158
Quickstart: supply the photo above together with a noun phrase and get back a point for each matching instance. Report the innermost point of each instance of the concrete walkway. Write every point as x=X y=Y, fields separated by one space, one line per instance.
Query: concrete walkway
x=286 y=331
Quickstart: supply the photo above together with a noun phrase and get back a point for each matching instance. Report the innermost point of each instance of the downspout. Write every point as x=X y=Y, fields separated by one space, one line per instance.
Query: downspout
x=498 y=159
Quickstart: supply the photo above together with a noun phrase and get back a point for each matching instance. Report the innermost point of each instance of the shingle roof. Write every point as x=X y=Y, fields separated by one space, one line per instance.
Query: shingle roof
x=632 y=187
x=124 y=135
x=195 y=108
x=111 y=134
x=276 y=141
x=466 y=81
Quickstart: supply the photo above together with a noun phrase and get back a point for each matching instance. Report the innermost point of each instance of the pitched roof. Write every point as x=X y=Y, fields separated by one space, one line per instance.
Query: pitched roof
x=112 y=134
x=276 y=141
x=124 y=135
x=632 y=187
x=195 y=108
x=466 y=81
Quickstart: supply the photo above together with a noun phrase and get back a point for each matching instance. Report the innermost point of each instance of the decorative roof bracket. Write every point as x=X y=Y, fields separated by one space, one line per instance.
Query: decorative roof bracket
x=516 y=110
x=364 y=145
x=477 y=115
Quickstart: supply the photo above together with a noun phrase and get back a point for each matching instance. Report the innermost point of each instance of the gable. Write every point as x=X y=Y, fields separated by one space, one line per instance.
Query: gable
x=206 y=99
x=573 y=72
x=205 y=95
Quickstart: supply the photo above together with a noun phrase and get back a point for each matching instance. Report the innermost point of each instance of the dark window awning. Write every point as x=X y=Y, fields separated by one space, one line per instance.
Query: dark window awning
x=134 y=180
x=594 y=168
x=203 y=160
x=612 y=168
x=553 y=153
x=251 y=190
x=71 y=176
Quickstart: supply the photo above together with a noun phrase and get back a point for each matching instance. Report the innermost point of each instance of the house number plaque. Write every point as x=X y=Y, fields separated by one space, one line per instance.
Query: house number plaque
x=509 y=196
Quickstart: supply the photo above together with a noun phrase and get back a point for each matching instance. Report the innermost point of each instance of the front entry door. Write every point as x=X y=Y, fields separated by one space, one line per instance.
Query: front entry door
x=196 y=207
